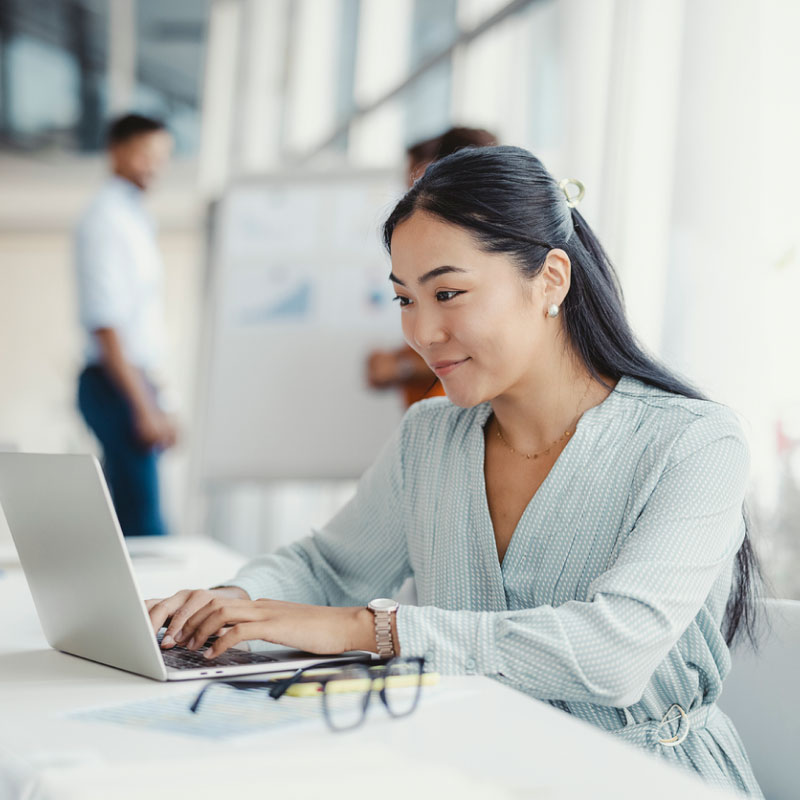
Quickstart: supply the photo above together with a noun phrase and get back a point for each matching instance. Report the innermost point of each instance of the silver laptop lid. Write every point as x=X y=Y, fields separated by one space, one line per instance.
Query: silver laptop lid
x=72 y=551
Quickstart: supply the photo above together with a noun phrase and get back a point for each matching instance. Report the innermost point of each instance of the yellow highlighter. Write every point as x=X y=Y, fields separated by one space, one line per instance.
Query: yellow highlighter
x=310 y=687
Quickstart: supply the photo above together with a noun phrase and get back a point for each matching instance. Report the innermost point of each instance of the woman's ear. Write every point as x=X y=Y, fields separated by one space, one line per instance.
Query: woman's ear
x=555 y=276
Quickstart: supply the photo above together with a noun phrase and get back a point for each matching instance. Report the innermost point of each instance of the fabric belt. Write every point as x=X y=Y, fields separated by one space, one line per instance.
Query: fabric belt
x=671 y=730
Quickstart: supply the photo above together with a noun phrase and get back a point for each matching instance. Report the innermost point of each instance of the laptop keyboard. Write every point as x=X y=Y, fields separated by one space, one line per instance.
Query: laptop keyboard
x=180 y=658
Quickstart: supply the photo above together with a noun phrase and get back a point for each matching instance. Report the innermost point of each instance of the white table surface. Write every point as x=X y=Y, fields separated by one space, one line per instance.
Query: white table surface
x=479 y=739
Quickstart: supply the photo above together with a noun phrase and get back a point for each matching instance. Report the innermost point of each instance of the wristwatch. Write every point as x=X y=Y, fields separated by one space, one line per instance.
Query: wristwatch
x=382 y=608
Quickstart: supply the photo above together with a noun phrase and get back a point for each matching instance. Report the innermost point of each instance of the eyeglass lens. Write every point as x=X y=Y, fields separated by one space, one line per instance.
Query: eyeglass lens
x=401 y=686
x=346 y=695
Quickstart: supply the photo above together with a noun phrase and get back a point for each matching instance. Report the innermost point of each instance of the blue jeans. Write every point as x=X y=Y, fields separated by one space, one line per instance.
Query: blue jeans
x=131 y=468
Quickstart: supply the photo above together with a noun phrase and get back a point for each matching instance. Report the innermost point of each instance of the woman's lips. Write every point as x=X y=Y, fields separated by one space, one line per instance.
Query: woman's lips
x=442 y=368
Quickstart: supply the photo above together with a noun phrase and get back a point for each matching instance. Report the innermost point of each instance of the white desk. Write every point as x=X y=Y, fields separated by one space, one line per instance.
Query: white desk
x=492 y=742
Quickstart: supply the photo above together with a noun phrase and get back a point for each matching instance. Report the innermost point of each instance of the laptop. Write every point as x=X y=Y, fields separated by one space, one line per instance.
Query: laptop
x=72 y=551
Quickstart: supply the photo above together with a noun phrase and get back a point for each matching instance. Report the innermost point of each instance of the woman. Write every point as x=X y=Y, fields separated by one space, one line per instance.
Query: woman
x=403 y=368
x=572 y=514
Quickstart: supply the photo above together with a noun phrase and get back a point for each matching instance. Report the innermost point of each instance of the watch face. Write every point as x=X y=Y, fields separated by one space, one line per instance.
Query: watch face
x=383 y=604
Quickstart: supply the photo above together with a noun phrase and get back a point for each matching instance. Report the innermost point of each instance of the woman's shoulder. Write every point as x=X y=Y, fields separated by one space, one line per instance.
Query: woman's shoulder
x=688 y=423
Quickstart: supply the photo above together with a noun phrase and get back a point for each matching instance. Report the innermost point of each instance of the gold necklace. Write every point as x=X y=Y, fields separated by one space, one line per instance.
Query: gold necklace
x=565 y=435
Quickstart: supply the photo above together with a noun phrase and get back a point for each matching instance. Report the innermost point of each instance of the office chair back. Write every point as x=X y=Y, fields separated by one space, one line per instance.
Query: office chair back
x=762 y=697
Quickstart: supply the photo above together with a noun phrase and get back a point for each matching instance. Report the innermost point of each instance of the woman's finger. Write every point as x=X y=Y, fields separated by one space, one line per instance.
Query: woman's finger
x=217 y=614
x=161 y=610
x=194 y=604
x=240 y=632
x=200 y=615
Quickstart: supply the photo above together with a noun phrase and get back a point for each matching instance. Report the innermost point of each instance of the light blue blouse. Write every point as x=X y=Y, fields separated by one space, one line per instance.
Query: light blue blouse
x=609 y=600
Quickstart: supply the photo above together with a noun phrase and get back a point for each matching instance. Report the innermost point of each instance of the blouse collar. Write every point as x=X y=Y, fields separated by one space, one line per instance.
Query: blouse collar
x=626 y=387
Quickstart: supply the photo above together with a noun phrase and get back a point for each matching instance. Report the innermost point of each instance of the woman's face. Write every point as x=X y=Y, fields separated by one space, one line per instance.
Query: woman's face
x=477 y=322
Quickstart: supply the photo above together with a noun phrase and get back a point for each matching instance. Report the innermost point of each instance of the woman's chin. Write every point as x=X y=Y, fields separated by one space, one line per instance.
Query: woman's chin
x=463 y=398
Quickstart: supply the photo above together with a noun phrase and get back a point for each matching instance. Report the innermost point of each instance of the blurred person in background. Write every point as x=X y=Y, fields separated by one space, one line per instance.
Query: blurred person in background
x=119 y=278
x=402 y=368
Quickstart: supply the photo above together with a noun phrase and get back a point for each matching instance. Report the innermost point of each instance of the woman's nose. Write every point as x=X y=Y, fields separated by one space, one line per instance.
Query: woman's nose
x=427 y=330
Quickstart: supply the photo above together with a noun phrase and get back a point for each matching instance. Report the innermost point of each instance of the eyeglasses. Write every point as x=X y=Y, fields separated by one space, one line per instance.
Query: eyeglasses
x=346 y=689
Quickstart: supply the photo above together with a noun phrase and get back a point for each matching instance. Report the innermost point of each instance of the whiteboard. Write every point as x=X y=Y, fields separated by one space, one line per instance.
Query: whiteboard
x=297 y=296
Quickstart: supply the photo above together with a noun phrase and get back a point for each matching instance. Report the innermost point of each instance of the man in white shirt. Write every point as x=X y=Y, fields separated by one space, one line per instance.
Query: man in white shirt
x=119 y=276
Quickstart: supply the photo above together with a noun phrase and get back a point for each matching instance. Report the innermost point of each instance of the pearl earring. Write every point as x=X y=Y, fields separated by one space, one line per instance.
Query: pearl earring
x=552 y=311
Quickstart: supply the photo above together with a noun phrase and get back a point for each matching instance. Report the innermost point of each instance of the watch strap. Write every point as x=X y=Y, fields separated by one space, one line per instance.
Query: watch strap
x=383 y=630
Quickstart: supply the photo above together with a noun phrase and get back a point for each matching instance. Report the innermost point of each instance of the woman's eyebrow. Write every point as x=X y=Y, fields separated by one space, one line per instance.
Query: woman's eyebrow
x=434 y=273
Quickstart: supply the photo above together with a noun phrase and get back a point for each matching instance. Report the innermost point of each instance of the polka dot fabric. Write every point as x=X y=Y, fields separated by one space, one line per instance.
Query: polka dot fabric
x=609 y=600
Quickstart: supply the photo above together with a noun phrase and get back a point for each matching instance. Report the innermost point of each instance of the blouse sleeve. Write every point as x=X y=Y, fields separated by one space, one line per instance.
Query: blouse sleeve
x=605 y=650
x=360 y=554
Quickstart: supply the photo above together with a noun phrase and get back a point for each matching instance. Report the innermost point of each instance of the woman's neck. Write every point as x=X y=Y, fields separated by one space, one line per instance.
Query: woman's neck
x=537 y=411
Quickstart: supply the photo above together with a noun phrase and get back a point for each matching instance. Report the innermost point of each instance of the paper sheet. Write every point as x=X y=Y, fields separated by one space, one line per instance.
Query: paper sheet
x=224 y=713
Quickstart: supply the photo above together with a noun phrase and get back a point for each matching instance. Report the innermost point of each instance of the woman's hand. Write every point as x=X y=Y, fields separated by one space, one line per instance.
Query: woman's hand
x=315 y=629
x=183 y=605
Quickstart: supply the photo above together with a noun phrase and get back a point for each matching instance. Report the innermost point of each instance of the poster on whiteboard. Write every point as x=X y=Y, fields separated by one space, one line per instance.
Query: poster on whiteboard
x=298 y=295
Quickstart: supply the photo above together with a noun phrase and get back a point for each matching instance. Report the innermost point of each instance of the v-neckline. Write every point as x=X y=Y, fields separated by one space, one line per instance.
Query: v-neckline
x=485 y=518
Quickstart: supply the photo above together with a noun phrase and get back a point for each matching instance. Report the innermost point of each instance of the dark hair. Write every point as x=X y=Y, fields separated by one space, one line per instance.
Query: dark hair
x=424 y=151
x=458 y=138
x=130 y=125
x=451 y=141
x=511 y=204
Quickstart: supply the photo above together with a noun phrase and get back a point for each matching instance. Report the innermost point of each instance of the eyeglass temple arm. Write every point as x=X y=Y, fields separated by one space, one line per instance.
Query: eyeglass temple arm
x=280 y=688
x=195 y=706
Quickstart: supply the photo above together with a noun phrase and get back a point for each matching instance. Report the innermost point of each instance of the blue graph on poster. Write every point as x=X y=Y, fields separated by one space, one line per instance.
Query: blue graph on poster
x=295 y=306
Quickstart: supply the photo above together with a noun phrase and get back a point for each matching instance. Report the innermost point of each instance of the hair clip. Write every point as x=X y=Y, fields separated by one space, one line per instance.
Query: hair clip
x=572 y=199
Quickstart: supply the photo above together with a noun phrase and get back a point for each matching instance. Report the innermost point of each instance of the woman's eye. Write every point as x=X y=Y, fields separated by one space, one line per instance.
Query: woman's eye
x=446 y=294
x=404 y=301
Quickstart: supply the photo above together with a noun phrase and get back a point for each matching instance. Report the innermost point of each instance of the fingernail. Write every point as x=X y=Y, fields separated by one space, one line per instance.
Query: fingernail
x=179 y=636
x=191 y=643
x=207 y=654
x=167 y=641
